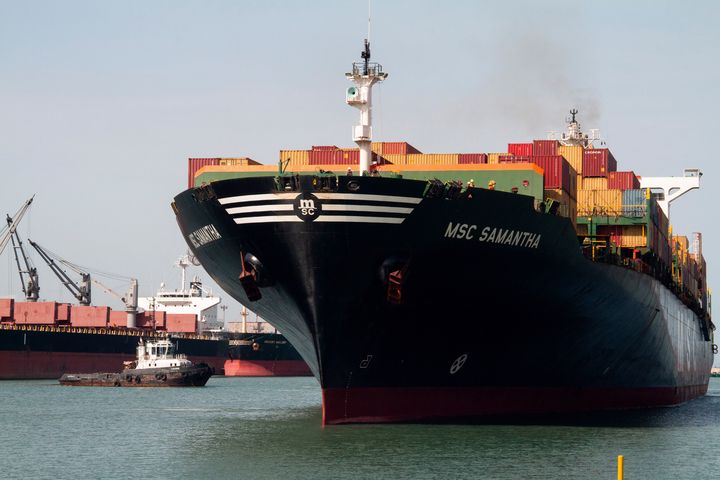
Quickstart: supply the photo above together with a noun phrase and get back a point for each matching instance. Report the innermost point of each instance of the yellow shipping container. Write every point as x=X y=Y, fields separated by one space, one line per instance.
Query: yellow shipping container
x=573 y=154
x=432 y=159
x=683 y=241
x=396 y=158
x=494 y=157
x=595 y=183
x=633 y=236
x=296 y=157
x=599 y=202
x=377 y=147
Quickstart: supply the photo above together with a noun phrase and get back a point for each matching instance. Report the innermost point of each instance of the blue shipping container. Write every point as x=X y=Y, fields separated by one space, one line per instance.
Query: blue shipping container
x=634 y=203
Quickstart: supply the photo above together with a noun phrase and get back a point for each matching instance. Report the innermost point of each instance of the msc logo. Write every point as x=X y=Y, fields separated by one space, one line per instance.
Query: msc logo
x=307 y=206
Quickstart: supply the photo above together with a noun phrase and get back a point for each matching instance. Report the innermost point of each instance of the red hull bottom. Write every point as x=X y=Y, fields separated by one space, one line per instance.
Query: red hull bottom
x=266 y=368
x=21 y=365
x=386 y=405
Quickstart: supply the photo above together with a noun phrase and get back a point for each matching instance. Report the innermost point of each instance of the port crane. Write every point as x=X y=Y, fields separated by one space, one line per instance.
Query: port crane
x=29 y=280
x=129 y=299
x=81 y=290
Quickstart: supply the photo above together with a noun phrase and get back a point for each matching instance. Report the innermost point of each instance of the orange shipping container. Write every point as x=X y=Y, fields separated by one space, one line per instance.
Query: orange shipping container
x=296 y=157
x=118 y=319
x=35 y=313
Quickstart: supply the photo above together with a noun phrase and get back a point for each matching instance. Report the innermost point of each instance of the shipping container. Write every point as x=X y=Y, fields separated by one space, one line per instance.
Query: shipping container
x=558 y=173
x=6 y=309
x=515 y=159
x=598 y=162
x=118 y=319
x=393 y=148
x=634 y=203
x=35 y=313
x=599 y=202
x=432 y=159
x=594 y=183
x=574 y=155
x=323 y=148
x=545 y=147
x=471 y=158
x=520 y=148
x=295 y=157
x=568 y=203
x=395 y=159
x=89 y=316
x=195 y=164
x=493 y=158
x=623 y=180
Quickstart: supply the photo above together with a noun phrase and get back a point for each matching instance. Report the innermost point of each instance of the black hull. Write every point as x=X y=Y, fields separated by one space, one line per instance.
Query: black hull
x=479 y=318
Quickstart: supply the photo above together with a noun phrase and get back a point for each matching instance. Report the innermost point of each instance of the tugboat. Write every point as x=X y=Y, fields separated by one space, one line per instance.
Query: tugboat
x=157 y=365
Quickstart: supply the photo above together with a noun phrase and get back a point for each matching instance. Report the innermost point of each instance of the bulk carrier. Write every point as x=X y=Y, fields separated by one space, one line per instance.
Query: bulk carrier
x=371 y=260
x=44 y=339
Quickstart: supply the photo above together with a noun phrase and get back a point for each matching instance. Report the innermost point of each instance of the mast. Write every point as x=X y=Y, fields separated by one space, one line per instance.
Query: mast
x=364 y=75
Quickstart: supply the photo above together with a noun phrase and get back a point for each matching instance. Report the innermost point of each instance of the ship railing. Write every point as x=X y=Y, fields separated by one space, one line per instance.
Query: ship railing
x=373 y=69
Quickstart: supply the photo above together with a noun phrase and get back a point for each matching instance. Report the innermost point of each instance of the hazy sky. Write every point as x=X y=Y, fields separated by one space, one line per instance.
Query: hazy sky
x=101 y=103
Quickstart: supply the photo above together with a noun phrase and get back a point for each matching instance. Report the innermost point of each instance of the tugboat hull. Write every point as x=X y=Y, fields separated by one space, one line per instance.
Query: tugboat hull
x=196 y=376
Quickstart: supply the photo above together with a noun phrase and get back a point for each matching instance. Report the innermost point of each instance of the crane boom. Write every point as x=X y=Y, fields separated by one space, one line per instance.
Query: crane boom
x=81 y=291
x=29 y=280
x=130 y=300
x=8 y=231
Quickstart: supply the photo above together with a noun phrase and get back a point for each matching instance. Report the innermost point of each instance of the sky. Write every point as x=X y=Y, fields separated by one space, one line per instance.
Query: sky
x=101 y=103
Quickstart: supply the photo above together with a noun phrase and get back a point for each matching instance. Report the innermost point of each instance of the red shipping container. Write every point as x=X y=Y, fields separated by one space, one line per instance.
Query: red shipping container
x=520 y=148
x=514 y=159
x=398 y=148
x=471 y=158
x=182 y=322
x=623 y=181
x=195 y=164
x=88 y=316
x=598 y=162
x=558 y=172
x=145 y=319
x=63 y=312
x=545 y=147
x=35 y=313
x=6 y=308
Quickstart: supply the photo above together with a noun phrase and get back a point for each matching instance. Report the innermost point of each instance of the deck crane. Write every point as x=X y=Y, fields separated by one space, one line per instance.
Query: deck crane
x=7 y=232
x=28 y=273
x=81 y=290
x=130 y=300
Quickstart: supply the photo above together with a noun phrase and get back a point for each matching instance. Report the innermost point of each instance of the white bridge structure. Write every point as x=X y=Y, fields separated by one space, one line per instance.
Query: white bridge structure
x=672 y=188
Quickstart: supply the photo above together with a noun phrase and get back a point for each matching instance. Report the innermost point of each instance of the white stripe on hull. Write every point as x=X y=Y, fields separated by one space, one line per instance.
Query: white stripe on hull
x=260 y=208
x=324 y=196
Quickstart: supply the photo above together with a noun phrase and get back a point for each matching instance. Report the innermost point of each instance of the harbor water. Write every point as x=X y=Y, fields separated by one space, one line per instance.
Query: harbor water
x=269 y=428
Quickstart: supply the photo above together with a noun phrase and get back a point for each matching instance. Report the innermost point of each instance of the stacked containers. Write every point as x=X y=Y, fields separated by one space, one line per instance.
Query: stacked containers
x=598 y=162
x=623 y=180
x=520 y=148
x=295 y=157
x=493 y=158
x=545 y=147
x=574 y=155
x=634 y=203
x=471 y=158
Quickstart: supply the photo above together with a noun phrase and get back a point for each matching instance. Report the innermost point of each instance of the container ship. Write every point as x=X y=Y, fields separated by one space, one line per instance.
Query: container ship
x=44 y=339
x=371 y=260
